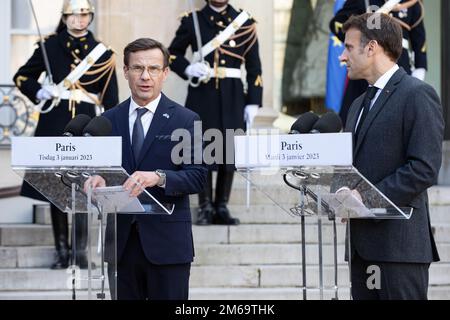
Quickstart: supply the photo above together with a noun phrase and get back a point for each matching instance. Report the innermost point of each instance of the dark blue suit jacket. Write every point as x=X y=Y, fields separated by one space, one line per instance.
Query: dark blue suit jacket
x=165 y=239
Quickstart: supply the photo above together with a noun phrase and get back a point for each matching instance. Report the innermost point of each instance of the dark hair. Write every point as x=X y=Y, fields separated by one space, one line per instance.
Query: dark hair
x=145 y=44
x=381 y=28
x=61 y=26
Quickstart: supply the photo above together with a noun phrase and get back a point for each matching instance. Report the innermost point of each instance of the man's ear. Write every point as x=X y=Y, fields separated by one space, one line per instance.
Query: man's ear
x=166 y=72
x=373 y=47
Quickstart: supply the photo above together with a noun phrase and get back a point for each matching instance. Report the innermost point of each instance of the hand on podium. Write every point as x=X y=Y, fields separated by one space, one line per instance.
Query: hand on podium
x=353 y=201
x=139 y=181
x=94 y=182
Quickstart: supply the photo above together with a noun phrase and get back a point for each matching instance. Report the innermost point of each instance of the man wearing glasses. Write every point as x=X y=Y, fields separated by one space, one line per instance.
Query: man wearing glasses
x=154 y=252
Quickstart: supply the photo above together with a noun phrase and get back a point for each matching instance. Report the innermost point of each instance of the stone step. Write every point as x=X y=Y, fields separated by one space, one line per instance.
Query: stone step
x=248 y=254
x=16 y=209
x=434 y=293
x=49 y=295
x=45 y=279
x=206 y=276
x=442 y=233
x=439 y=214
x=206 y=254
x=257 y=213
x=268 y=212
x=289 y=275
x=31 y=235
x=41 y=235
x=201 y=276
x=439 y=196
x=257 y=197
x=253 y=294
x=271 y=214
x=25 y=235
x=31 y=257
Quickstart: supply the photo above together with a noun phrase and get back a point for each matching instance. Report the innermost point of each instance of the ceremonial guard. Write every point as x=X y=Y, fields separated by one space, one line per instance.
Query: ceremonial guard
x=222 y=39
x=409 y=14
x=80 y=79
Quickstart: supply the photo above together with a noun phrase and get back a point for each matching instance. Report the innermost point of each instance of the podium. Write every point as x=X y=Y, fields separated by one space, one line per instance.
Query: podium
x=58 y=168
x=311 y=177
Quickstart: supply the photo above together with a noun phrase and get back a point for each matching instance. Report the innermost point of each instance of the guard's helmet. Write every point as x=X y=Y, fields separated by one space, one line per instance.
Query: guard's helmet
x=78 y=7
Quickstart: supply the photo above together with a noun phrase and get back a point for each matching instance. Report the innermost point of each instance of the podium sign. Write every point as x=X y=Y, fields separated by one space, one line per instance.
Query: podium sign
x=325 y=149
x=66 y=151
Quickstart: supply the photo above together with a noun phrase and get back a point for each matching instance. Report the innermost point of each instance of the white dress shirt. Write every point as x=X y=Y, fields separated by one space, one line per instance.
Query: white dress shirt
x=146 y=118
x=380 y=84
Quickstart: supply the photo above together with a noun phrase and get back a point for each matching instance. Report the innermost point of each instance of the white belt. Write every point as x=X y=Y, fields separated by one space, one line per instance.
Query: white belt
x=78 y=96
x=223 y=73
x=405 y=44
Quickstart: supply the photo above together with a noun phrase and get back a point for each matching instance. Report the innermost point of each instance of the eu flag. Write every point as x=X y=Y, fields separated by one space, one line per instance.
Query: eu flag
x=336 y=72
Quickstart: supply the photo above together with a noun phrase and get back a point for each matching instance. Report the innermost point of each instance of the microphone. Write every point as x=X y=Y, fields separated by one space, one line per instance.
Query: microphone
x=98 y=126
x=304 y=123
x=330 y=122
x=76 y=125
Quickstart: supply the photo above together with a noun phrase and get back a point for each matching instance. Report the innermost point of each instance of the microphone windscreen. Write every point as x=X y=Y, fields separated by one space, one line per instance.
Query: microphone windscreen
x=76 y=125
x=330 y=122
x=304 y=123
x=99 y=126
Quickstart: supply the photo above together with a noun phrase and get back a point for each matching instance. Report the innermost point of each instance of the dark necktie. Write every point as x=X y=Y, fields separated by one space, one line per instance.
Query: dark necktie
x=138 y=133
x=370 y=94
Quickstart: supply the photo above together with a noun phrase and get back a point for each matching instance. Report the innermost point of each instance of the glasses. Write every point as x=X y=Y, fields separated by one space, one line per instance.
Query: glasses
x=153 y=71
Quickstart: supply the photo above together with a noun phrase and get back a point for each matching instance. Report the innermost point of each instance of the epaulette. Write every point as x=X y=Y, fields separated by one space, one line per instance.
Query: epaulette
x=44 y=38
x=50 y=35
x=185 y=14
x=250 y=17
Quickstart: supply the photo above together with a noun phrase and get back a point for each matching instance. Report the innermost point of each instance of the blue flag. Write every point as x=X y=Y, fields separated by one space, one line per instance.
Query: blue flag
x=336 y=72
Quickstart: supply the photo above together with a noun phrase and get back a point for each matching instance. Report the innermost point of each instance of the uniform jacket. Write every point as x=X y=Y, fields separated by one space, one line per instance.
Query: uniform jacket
x=412 y=26
x=64 y=53
x=220 y=104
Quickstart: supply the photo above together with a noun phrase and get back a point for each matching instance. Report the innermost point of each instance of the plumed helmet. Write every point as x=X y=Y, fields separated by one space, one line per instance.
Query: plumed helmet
x=77 y=7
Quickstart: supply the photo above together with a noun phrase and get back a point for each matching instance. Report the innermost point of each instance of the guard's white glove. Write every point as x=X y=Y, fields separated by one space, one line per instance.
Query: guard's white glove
x=419 y=73
x=44 y=94
x=197 y=70
x=250 y=113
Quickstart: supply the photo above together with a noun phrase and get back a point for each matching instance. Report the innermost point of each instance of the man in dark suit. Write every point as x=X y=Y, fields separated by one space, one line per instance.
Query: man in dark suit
x=398 y=131
x=154 y=252
x=410 y=15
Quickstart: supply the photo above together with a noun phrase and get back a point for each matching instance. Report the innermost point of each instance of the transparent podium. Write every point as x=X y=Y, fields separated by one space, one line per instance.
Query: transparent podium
x=65 y=188
x=322 y=197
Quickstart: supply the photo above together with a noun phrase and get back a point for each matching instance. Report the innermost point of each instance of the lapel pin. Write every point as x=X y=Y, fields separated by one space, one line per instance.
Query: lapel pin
x=165 y=115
